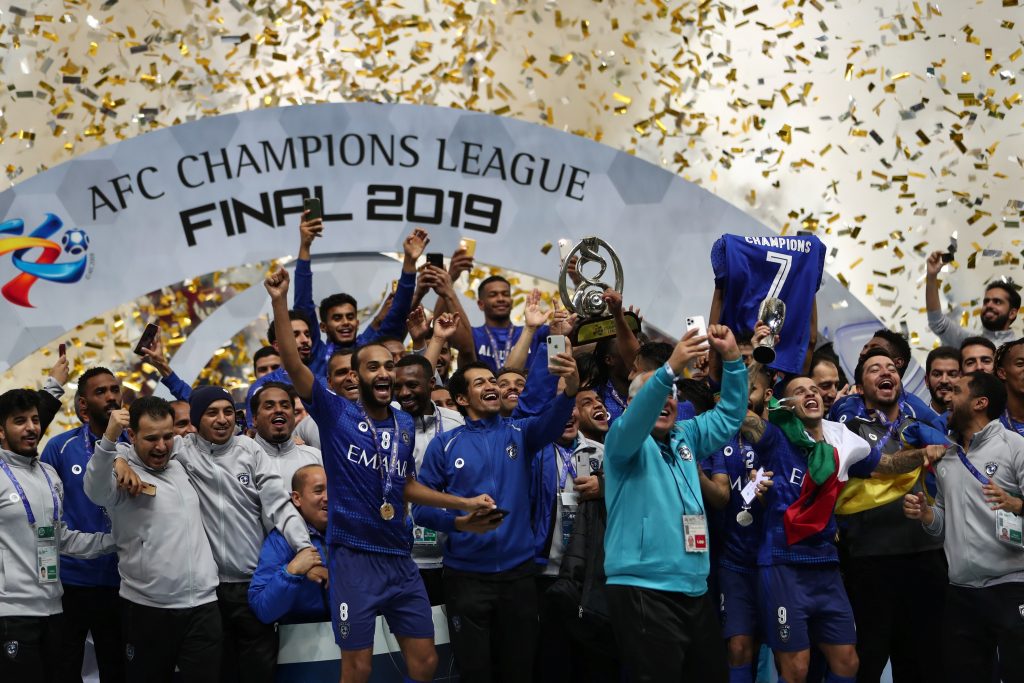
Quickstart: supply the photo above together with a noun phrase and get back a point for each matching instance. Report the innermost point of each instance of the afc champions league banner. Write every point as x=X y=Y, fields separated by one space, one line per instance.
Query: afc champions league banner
x=114 y=224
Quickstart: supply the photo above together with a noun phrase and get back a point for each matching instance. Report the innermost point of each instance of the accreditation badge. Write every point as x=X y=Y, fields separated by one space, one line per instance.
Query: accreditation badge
x=422 y=536
x=1010 y=529
x=695 y=533
x=47 y=555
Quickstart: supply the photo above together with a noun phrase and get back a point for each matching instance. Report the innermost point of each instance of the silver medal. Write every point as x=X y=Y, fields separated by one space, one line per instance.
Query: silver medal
x=744 y=518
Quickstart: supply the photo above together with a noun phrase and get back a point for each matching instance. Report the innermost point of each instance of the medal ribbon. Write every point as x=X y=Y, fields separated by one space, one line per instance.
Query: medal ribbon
x=386 y=472
x=567 y=465
x=493 y=343
x=970 y=466
x=1010 y=423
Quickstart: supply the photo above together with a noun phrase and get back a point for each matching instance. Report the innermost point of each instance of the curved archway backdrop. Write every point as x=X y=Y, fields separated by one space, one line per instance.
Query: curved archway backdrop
x=224 y=191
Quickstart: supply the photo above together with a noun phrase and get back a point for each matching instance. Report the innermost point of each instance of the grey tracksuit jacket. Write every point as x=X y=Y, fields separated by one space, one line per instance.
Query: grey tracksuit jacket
x=164 y=556
x=21 y=594
x=976 y=559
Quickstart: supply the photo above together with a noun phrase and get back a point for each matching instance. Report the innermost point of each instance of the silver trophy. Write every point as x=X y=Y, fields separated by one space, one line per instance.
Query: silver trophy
x=773 y=314
x=587 y=300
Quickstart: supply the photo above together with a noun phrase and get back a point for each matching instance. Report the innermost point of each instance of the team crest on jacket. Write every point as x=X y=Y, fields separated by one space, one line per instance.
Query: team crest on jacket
x=990 y=468
x=129 y=651
x=684 y=452
x=456 y=623
x=244 y=479
x=511 y=450
x=1020 y=608
x=11 y=647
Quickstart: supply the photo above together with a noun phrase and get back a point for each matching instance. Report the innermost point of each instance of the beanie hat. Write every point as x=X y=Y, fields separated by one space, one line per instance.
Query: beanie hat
x=201 y=399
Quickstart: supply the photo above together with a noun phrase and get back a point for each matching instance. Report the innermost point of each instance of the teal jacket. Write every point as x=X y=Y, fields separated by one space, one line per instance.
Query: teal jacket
x=647 y=497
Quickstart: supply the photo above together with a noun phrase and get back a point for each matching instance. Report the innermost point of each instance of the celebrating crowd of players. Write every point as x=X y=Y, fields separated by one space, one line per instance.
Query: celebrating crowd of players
x=630 y=510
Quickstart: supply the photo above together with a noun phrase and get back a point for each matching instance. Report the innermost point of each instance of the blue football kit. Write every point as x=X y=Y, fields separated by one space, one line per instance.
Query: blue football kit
x=370 y=537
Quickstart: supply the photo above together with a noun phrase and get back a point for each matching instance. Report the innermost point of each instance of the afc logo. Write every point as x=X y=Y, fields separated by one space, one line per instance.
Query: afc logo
x=74 y=242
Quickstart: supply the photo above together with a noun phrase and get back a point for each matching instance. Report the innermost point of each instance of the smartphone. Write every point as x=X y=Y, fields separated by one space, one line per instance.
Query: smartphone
x=436 y=259
x=62 y=350
x=311 y=205
x=582 y=465
x=556 y=345
x=950 y=253
x=501 y=513
x=469 y=244
x=147 y=339
x=697 y=322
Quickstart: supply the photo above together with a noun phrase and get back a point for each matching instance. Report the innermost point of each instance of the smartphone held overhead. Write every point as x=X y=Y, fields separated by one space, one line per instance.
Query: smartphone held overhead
x=556 y=345
x=312 y=209
x=147 y=339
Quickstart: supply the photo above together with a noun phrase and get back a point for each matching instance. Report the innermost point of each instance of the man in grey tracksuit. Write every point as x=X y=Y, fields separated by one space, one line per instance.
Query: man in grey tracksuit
x=168 y=588
x=978 y=512
x=32 y=532
x=240 y=495
x=272 y=408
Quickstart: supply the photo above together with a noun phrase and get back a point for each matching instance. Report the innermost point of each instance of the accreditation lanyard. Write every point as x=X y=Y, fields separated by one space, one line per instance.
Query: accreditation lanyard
x=1010 y=423
x=21 y=492
x=970 y=466
x=568 y=466
x=890 y=429
x=386 y=472
x=615 y=395
x=493 y=343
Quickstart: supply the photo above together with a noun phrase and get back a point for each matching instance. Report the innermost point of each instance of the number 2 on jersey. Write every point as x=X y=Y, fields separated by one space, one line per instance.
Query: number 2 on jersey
x=785 y=262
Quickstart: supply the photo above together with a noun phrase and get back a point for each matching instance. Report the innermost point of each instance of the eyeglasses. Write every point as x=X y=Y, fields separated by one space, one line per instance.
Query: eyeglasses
x=1004 y=349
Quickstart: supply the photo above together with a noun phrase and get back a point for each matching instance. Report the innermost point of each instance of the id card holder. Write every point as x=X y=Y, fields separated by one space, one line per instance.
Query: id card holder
x=422 y=536
x=695 y=534
x=47 y=555
x=570 y=499
x=1010 y=529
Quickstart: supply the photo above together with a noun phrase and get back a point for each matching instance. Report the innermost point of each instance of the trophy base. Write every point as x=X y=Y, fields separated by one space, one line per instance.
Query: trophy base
x=764 y=354
x=598 y=329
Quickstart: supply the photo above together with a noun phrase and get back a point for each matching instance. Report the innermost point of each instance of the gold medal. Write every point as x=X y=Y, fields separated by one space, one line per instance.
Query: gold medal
x=387 y=512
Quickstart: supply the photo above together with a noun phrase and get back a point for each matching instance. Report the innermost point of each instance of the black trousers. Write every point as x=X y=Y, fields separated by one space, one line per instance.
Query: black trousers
x=95 y=609
x=31 y=648
x=560 y=657
x=250 y=646
x=433 y=581
x=157 y=640
x=492 y=625
x=884 y=591
x=981 y=623
x=667 y=637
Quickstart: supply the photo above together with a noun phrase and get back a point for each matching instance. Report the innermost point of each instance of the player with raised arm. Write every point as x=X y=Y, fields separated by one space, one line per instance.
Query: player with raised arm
x=368 y=456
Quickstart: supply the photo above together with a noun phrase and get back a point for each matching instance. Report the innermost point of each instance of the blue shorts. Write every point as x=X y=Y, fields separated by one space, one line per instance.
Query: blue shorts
x=801 y=604
x=364 y=585
x=738 y=606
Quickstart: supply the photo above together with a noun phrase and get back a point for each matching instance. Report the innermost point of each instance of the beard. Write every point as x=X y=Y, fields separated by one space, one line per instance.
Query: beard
x=995 y=324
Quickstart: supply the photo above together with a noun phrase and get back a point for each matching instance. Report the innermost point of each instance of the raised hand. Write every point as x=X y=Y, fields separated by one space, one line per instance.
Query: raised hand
x=155 y=356
x=127 y=479
x=441 y=280
x=445 y=325
x=417 y=324
x=934 y=263
x=61 y=370
x=721 y=340
x=689 y=347
x=460 y=263
x=561 y=321
x=535 y=316
x=760 y=332
x=614 y=301
x=415 y=243
x=564 y=365
x=117 y=423
x=277 y=284
x=309 y=230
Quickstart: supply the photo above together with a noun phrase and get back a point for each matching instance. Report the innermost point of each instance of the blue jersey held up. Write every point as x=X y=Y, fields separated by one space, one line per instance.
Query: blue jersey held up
x=493 y=344
x=357 y=468
x=749 y=270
